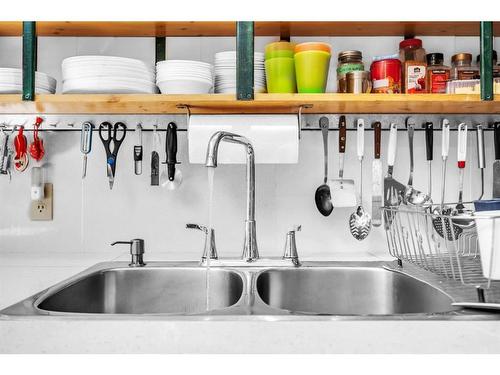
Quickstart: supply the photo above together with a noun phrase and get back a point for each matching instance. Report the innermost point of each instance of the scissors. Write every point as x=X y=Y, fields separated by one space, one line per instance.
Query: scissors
x=112 y=136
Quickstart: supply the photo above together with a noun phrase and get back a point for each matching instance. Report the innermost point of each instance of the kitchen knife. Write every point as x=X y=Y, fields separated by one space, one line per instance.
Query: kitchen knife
x=377 y=176
x=155 y=158
x=429 y=146
x=496 y=163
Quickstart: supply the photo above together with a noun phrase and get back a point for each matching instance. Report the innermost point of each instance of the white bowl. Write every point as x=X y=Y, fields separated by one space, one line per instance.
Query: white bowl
x=164 y=73
x=108 y=60
x=18 y=89
x=184 y=64
x=108 y=85
x=76 y=72
x=15 y=76
x=185 y=86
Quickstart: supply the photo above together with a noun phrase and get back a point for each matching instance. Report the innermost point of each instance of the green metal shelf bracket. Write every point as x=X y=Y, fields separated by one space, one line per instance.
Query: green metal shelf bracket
x=161 y=45
x=29 y=60
x=487 y=60
x=244 y=60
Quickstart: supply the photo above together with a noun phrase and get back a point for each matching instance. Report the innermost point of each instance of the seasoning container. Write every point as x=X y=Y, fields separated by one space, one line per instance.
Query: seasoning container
x=437 y=73
x=386 y=76
x=496 y=68
x=348 y=61
x=461 y=67
x=412 y=56
x=358 y=82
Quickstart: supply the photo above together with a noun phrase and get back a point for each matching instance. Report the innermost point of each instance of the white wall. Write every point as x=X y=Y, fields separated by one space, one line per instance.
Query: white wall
x=87 y=216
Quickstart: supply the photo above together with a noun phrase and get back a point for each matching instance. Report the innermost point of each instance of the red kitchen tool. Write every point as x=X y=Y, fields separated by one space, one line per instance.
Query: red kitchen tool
x=21 y=145
x=36 y=147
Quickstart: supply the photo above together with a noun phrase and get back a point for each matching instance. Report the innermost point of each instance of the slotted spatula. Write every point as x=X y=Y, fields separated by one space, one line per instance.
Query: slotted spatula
x=342 y=190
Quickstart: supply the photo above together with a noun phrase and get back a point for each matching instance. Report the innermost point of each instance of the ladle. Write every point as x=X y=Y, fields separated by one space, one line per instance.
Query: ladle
x=323 y=197
x=412 y=196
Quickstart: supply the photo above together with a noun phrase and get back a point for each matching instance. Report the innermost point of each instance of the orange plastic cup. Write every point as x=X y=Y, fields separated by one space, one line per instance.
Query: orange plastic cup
x=313 y=46
x=279 y=49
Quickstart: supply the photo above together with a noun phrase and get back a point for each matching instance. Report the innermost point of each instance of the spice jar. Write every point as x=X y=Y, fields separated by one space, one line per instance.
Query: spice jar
x=496 y=68
x=437 y=73
x=412 y=56
x=386 y=76
x=461 y=67
x=348 y=61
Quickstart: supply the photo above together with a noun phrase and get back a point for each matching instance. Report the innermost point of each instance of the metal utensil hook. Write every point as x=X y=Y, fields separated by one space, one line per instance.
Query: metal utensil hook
x=299 y=114
x=188 y=111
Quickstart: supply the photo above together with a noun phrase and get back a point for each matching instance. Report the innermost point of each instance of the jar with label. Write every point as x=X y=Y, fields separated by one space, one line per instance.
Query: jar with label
x=461 y=67
x=437 y=74
x=412 y=56
x=348 y=61
x=496 y=68
x=386 y=76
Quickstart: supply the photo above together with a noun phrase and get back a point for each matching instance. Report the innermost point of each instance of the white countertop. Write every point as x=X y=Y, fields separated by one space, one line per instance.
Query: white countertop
x=22 y=275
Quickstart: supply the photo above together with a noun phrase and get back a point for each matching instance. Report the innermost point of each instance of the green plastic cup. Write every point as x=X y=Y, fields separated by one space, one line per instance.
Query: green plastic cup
x=311 y=69
x=279 y=53
x=280 y=75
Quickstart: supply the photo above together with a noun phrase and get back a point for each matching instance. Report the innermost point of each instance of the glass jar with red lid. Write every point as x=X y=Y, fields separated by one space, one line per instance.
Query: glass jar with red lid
x=412 y=56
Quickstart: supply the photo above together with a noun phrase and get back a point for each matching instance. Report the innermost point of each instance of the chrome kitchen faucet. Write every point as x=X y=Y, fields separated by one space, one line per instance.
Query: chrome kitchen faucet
x=250 y=250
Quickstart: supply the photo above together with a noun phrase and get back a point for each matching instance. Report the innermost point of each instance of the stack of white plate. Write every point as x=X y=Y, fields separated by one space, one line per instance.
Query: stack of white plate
x=107 y=75
x=11 y=82
x=184 y=77
x=225 y=72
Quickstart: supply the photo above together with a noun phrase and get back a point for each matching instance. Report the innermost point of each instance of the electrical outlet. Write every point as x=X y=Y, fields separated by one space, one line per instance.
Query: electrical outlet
x=41 y=210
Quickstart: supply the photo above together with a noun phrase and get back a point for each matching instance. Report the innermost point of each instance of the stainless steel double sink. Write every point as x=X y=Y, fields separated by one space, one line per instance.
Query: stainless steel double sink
x=186 y=289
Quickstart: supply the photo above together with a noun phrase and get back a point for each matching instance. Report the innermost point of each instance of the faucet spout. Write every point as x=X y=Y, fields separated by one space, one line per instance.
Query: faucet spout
x=250 y=249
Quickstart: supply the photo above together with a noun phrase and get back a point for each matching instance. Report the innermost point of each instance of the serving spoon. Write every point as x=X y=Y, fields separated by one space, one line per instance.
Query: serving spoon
x=412 y=196
x=323 y=197
x=360 y=221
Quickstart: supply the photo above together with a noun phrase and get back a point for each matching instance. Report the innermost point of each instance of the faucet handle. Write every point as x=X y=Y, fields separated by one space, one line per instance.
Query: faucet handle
x=291 y=246
x=209 y=250
x=136 y=250
x=197 y=226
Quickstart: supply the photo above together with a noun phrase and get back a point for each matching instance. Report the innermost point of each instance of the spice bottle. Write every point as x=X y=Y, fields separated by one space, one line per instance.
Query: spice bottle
x=348 y=61
x=461 y=67
x=496 y=68
x=412 y=56
x=437 y=73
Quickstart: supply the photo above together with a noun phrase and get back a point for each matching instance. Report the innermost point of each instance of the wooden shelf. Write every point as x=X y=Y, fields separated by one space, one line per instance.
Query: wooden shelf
x=151 y=29
x=263 y=103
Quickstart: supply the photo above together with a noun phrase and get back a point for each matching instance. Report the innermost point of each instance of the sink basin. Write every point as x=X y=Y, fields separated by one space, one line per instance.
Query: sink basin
x=349 y=291
x=146 y=291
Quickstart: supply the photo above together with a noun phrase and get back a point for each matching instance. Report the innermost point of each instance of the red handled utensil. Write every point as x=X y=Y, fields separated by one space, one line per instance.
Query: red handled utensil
x=21 y=159
x=36 y=147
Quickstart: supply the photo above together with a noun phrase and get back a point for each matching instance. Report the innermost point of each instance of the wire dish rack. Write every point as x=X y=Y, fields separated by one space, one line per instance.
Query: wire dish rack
x=461 y=248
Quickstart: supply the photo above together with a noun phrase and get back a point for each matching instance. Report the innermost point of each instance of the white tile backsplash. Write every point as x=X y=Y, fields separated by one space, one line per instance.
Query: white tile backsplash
x=87 y=216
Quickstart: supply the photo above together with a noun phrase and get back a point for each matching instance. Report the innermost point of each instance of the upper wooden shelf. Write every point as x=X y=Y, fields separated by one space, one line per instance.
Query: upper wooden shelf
x=263 y=103
x=195 y=28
